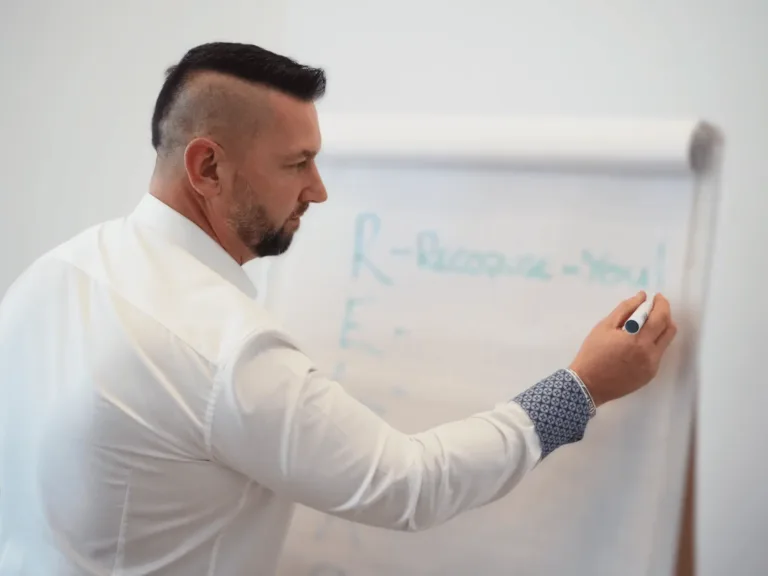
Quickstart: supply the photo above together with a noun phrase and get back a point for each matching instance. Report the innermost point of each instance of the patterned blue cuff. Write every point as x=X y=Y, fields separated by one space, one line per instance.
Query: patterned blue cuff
x=559 y=409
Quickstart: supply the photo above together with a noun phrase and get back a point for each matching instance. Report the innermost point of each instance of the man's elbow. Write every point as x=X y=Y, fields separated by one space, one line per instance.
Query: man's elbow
x=429 y=501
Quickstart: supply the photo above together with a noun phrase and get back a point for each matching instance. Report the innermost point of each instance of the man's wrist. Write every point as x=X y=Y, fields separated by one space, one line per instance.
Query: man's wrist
x=592 y=404
x=560 y=408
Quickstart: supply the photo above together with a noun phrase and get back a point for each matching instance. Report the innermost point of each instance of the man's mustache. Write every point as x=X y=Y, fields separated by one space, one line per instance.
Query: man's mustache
x=300 y=211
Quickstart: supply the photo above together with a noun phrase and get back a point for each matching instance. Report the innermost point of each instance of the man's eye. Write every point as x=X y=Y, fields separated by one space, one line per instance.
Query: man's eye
x=301 y=165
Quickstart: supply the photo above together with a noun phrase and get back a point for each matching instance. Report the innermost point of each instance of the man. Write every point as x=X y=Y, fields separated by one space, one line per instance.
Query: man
x=155 y=420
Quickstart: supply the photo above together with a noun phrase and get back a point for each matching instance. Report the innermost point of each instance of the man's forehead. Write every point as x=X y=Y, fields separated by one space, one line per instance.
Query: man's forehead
x=296 y=120
x=286 y=107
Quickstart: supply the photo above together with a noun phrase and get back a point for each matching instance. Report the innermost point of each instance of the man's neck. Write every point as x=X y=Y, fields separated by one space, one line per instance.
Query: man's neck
x=189 y=204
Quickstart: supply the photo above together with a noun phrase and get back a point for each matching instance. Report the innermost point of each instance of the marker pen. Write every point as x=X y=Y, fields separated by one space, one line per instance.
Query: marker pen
x=639 y=316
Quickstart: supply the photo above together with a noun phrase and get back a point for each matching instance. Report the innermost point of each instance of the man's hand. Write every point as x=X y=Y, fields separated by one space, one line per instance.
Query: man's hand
x=613 y=363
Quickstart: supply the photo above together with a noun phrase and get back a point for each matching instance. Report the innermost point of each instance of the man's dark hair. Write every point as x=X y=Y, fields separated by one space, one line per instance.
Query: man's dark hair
x=244 y=61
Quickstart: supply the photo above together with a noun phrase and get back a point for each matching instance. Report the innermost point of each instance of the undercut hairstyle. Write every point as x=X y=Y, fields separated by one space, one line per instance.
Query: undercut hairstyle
x=245 y=62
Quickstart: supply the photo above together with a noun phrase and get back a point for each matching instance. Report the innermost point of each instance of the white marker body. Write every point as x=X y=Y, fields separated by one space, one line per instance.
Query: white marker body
x=639 y=316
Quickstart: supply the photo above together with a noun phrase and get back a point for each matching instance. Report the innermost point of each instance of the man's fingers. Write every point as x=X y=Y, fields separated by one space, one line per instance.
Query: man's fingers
x=659 y=319
x=625 y=309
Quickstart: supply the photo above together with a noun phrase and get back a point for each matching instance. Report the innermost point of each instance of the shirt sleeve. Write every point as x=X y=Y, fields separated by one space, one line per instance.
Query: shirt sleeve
x=279 y=421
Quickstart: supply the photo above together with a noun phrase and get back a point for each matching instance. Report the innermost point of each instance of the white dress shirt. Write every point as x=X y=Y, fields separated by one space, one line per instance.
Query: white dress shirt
x=154 y=419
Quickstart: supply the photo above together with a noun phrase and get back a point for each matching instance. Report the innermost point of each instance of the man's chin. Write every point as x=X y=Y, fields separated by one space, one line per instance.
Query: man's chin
x=274 y=246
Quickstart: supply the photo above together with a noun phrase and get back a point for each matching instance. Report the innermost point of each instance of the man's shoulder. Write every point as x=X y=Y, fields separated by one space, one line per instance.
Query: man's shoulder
x=166 y=284
x=45 y=272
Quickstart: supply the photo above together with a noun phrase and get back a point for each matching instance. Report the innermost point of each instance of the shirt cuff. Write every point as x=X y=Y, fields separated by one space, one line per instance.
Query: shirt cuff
x=560 y=407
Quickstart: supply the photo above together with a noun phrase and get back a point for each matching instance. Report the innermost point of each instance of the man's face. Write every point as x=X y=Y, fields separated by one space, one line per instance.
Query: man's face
x=277 y=179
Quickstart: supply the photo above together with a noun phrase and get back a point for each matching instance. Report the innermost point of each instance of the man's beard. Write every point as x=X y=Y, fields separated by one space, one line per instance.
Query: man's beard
x=252 y=225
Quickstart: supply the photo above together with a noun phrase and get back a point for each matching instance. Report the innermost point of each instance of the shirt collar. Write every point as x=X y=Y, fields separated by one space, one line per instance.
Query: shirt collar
x=178 y=229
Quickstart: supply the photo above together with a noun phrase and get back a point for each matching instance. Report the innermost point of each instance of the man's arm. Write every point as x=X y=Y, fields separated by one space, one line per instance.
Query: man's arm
x=281 y=423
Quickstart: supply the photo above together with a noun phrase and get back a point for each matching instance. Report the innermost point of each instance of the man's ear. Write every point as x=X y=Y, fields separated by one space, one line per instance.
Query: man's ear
x=202 y=162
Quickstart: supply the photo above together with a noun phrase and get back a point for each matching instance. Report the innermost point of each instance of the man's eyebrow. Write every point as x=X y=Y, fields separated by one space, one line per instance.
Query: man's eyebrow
x=303 y=154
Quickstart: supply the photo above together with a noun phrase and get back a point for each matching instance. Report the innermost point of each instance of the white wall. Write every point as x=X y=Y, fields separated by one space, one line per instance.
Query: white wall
x=79 y=79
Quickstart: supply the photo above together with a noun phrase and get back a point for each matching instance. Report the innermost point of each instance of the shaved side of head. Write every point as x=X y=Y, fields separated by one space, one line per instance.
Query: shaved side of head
x=225 y=109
